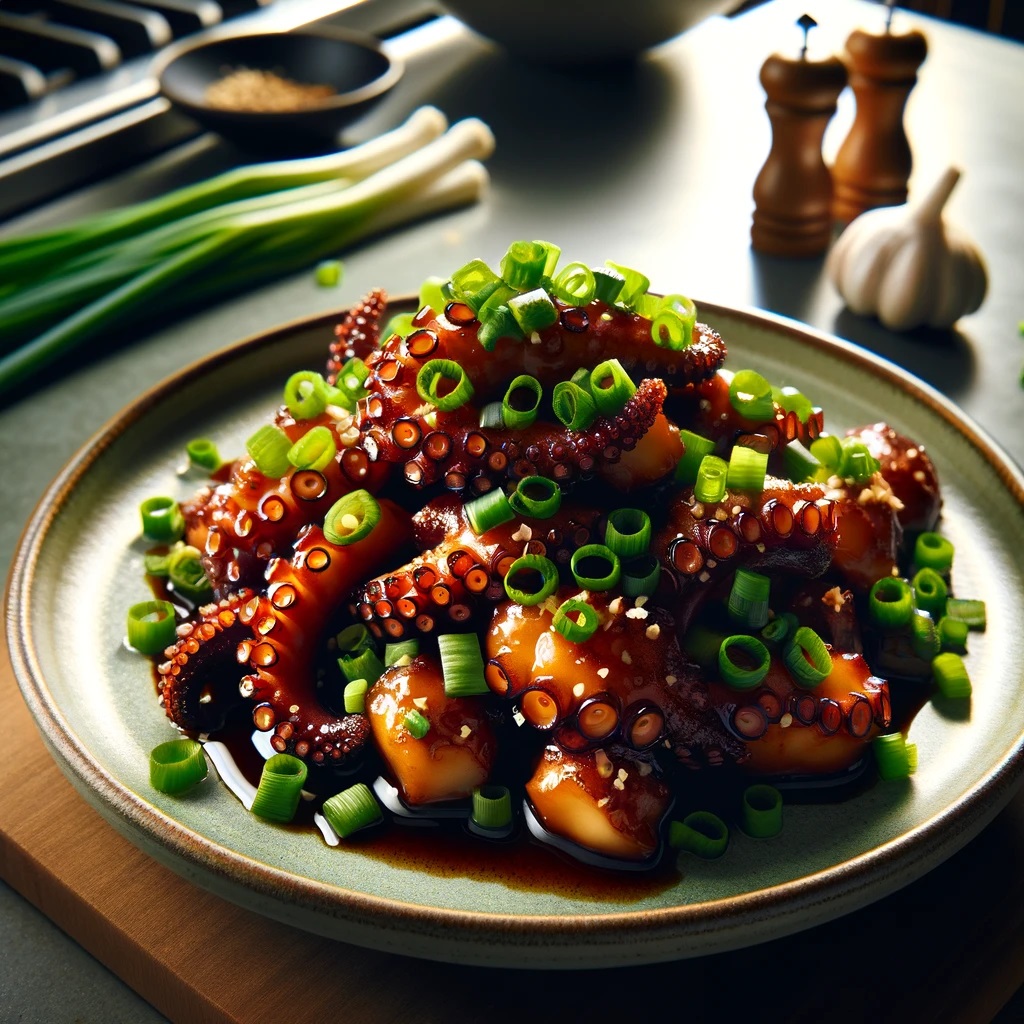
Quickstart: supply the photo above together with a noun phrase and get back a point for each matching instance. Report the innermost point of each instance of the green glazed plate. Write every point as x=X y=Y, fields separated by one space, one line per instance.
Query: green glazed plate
x=80 y=565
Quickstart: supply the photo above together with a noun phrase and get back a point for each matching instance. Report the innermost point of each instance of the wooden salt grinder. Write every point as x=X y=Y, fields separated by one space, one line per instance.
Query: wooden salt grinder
x=873 y=164
x=793 y=192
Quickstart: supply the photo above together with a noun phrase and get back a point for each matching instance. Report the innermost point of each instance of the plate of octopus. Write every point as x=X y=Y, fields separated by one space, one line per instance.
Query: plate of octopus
x=537 y=620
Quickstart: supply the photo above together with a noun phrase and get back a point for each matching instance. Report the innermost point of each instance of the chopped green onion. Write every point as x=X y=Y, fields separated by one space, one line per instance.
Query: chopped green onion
x=573 y=406
x=591 y=559
x=354 y=638
x=430 y=294
x=156 y=565
x=933 y=551
x=394 y=653
x=492 y=806
x=711 y=477
x=628 y=532
x=352 y=809
x=762 y=811
x=489 y=510
x=351 y=518
x=780 y=629
x=952 y=634
x=202 y=452
x=474 y=283
x=280 y=789
x=354 y=696
x=269 y=448
x=362 y=664
x=891 y=603
x=523 y=265
x=611 y=387
x=314 y=450
x=608 y=284
x=162 y=519
x=575 y=284
x=352 y=377
x=828 y=450
x=492 y=415
x=428 y=382
x=702 y=644
x=185 y=571
x=951 y=675
x=176 y=765
x=462 y=664
x=858 y=464
x=521 y=401
x=807 y=658
x=152 y=626
x=751 y=396
x=416 y=724
x=747 y=469
x=792 y=400
x=701 y=833
x=648 y=306
x=924 y=637
x=536 y=497
x=305 y=394
x=748 y=599
x=930 y=592
x=893 y=756
x=640 y=576
x=755 y=665
x=634 y=284
x=328 y=273
x=533 y=310
x=799 y=464
x=582 y=378
x=551 y=255
x=696 y=447
x=673 y=323
x=539 y=572
x=971 y=612
x=500 y=323
x=496 y=300
x=400 y=324
x=575 y=620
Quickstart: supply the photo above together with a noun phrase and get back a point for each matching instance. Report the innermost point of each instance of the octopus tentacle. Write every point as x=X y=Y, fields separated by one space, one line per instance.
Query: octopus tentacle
x=358 y=334
x=287 y=626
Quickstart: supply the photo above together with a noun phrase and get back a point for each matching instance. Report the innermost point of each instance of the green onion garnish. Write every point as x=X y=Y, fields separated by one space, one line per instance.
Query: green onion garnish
x=489 y=510
x=492 y=415
x=640 y=576
x=828 y=450
x=971 y=612
x=176 y=765
x=430 y=378
x=305 y=394
x=314 y=450
x=533 y=311
x=500 y=323
x=155 y=565
x=162 y=519
x=269 y=448
x=202 y=452
x=701 y=832
x=748 y=673
x=807 y=658
x=352 y=809
x=711 y=477
x=151 y=626
x=537 y=497
x=689 y=465
x=924 y=637
x=400 y=324
x=492 y=806
x=610 y=386
x=628 y=532
x=780 y=629
x=352 y=377
x=393 y=653
x=575 y=284
x=952 y=634
x=748 y=599
x=857 y=464
x=575 y=620
x=891 y=603
x=430 y=294
x=595 y=567
x=355 y=697
x=521 y=403
x=462 y=664
x=762 y=811
x=351 y=518
x=364 y=664
x=328 y=273
x=792 y=400
x=930 y=592
x=702 y=644
x=538 y=573
x=416 y=724
x=474 y=283
x=751 y=396
x=951 y=675
x=894 y=756
x=747 y=469
x=608 y=284
x=634 y=284
x=355 y=638
x=573 y=406
x=185 y=571
x=522 y=266
x=673 y=323
x=933 y=551
x=799 y=464
x=280 y=789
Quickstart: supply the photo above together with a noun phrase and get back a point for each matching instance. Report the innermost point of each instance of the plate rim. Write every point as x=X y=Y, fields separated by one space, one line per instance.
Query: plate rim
x=662 y=932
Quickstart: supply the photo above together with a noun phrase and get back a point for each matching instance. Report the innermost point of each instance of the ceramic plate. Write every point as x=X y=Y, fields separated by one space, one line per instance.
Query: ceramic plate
x=80 y=565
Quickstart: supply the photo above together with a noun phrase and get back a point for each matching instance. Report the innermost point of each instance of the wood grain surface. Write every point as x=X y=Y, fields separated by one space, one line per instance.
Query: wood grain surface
x=948 y=948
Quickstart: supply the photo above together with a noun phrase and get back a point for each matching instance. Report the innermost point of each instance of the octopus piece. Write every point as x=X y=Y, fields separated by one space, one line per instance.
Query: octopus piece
x=461 y=573
x=628 y=683
x=288 y=626
x=197 y=687
x=792 y=731
x=358 y=334
x=611 y=803
x=869 y=534
x=457 y=752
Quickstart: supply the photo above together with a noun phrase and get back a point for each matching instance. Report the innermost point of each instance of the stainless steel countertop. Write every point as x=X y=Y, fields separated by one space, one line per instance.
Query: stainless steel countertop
x=654 y=168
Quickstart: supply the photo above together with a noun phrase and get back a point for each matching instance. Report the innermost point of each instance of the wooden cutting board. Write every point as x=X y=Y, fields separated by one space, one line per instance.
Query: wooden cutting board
x=948 y=948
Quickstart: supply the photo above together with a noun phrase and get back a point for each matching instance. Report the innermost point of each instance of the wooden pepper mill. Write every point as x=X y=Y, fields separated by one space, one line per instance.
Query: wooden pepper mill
x=793 y=191
x=873 y=164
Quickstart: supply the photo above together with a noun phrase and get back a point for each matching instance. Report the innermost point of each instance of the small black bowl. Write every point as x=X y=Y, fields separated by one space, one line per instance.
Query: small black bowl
x=353 y=65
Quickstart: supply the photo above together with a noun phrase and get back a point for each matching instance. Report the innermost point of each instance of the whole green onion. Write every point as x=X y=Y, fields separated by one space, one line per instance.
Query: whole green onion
x=176 y=766
x=280 y=788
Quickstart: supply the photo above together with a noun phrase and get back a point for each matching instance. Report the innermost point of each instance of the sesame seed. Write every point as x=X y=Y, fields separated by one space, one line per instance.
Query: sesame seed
x=578 y=690
x=619 y=784
x=786 y=720
x=670 y=680
x=636 y=613
x=603 y=673
x=641 y=600
x=626 y=659
x=524 y=533
x=420 y=702
x=465 y=731
x=623 y=774
x=653 y=631
x=602 y=801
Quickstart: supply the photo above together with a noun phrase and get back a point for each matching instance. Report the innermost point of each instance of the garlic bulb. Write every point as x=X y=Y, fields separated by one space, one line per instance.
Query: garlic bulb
x=903 y=264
